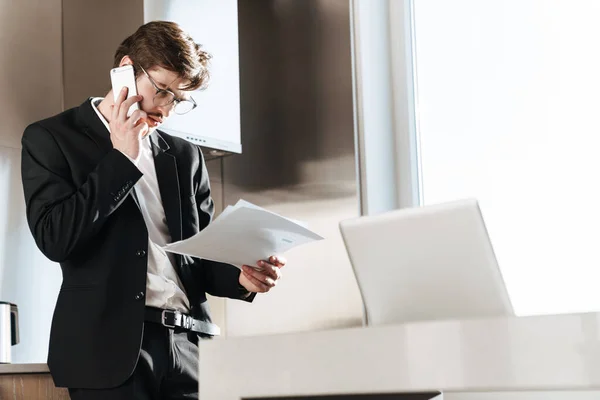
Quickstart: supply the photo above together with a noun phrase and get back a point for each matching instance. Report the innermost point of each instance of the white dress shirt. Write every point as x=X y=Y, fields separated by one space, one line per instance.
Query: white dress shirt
x=163 y=286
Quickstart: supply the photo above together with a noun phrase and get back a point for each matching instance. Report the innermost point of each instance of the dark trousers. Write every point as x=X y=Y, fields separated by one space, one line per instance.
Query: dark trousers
x=166 y=370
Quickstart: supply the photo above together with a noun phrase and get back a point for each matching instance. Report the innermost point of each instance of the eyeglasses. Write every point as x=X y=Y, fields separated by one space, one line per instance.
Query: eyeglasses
x=165 y=97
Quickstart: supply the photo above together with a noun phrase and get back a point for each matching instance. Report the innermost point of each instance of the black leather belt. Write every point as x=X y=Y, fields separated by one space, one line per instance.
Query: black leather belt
x=176 y=319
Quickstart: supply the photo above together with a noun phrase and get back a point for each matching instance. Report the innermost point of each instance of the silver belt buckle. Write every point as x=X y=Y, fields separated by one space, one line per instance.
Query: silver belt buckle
x=176 y=315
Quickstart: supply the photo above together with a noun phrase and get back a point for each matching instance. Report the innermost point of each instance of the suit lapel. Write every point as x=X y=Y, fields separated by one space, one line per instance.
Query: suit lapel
x=168 y=183
x=165 y=165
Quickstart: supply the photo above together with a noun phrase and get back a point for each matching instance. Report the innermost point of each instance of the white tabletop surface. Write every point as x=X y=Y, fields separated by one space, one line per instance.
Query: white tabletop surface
x=507 y=354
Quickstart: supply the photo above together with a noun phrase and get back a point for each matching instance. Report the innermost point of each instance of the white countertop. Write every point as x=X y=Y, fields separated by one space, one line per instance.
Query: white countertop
x=558 y=352
x=11 y=369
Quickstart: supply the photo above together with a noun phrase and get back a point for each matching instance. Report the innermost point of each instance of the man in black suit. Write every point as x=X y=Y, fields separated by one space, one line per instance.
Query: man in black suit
x=104 y=192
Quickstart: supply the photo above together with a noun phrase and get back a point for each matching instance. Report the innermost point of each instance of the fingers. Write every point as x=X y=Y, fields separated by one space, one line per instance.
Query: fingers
x=278 y=261
x=259 y=286
x=267 y=275
x=136 y=116
x=270 y=270
x=141 y=129
x=124 y=106
x=120 y=98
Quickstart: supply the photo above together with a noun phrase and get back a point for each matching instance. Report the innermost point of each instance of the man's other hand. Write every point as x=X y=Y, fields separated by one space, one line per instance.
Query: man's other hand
x=264 y=276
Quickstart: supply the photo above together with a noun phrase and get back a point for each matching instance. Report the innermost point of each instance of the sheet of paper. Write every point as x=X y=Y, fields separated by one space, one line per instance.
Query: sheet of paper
x=244 y=203
x=245 y=234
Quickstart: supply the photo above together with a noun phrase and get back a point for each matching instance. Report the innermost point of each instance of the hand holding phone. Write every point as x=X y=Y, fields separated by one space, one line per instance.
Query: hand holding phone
x=126 y=133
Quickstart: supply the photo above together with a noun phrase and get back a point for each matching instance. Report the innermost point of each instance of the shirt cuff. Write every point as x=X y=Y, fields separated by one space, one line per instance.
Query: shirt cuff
x=244 y=294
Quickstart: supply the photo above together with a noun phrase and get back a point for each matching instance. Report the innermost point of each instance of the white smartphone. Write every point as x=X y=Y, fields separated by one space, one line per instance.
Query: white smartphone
x=124 y=77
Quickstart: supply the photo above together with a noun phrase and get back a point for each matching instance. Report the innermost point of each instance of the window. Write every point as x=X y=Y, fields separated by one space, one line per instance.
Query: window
x=508 y=95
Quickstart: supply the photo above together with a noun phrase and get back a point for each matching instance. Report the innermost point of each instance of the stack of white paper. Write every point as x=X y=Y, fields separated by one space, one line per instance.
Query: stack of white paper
x=244 y=234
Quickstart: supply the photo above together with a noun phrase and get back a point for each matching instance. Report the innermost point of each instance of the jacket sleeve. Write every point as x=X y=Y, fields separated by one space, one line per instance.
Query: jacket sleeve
x=61 y=216
x=220 y=279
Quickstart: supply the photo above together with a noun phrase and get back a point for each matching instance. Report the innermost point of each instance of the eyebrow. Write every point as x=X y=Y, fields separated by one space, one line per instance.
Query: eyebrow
x=176 y=92
x=162 y=85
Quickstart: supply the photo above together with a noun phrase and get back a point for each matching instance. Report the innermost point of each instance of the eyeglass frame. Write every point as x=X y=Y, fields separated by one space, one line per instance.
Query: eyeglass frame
x=175 y=99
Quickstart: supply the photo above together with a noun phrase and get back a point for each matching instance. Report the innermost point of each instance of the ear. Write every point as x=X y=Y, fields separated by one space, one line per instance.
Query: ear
x=125 y=61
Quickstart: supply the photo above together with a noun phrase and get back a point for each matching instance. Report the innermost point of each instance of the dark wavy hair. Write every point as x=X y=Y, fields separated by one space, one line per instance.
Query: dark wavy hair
x=164 y=44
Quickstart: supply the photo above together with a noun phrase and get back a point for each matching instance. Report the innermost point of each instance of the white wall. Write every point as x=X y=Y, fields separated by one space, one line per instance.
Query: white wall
x=31 y=82
x=27 y=278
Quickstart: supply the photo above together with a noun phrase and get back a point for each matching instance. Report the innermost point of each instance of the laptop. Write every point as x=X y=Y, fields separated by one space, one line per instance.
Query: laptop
x=426 y=263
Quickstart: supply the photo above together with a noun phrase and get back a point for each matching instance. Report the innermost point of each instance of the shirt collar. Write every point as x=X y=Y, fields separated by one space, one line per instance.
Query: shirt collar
x=95 y=101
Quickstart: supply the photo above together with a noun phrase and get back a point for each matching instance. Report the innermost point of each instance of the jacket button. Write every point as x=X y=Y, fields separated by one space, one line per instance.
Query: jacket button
x=139 y=296
x=140 y=253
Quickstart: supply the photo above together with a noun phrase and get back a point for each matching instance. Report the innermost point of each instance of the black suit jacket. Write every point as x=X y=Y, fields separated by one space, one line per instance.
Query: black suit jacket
x=83 y=215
